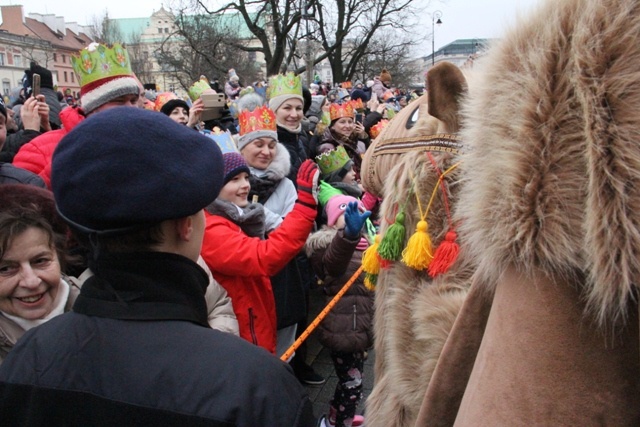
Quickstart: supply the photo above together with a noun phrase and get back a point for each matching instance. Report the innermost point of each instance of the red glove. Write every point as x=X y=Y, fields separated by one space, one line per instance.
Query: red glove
x=307 y=180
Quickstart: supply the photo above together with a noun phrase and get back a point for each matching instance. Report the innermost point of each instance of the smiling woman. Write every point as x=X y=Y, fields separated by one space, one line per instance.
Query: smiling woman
x=32 y=255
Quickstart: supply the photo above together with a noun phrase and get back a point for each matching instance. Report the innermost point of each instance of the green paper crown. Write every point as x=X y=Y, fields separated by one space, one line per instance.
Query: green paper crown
x=284 y=84
x=332 y=161
x=98 y=61
x=197 y=89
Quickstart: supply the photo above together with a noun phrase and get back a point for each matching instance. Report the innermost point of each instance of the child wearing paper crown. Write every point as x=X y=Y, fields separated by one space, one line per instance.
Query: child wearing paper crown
x=236 y=251
x=338 y=176
x=336 y=253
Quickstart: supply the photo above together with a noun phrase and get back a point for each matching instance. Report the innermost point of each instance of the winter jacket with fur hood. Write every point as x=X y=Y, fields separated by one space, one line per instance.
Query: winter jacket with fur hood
x=283 y=197
x=349 y=325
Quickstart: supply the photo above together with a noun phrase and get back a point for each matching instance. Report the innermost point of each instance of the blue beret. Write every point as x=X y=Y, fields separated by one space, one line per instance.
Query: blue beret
x=125 y=167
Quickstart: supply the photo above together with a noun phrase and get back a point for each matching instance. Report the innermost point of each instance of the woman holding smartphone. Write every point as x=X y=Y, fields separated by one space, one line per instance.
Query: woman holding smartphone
x=344 y=131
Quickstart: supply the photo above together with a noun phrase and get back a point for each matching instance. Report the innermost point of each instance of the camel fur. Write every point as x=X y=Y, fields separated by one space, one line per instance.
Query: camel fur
x=548 y=204
x=414 y=312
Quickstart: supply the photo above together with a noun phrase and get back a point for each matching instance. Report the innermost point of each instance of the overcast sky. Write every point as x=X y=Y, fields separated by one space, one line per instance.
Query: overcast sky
x=460 y=18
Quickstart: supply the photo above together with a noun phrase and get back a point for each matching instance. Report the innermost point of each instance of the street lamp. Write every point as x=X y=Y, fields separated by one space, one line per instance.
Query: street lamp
x=435 y=19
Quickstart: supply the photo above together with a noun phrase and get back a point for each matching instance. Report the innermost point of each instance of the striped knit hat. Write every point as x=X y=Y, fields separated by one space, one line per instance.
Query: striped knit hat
x=105 y=74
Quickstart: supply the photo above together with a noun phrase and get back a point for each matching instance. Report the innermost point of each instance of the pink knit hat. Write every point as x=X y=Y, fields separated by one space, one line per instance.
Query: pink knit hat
x=337 y=205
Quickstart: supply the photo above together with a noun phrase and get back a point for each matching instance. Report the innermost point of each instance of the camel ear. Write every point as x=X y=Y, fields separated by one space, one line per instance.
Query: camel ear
x=446 y=87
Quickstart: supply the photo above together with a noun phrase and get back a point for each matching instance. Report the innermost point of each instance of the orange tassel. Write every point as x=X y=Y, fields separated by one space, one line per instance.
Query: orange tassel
x=445 y=255
x=417 y=254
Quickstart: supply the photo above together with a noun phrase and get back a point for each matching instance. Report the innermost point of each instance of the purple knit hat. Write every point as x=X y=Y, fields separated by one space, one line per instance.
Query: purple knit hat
x=234 y=164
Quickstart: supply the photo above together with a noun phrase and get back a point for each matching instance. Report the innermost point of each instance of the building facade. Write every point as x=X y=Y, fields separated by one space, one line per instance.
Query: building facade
x=146 y=38
x=16 y=52
x=46 y=39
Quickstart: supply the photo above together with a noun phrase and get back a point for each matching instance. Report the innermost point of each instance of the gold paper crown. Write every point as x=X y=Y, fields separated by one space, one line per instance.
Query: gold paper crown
x=332 y=160
x=197 y=89
x=97 y=61
x=338 y=111
x=357 y=104
x=262 y=118
x=284 y=84
x=377 y=128
x=163 y=98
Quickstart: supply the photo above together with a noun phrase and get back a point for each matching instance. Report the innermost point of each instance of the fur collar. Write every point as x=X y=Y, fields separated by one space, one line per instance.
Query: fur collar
x=279 y=167
x=319 y=240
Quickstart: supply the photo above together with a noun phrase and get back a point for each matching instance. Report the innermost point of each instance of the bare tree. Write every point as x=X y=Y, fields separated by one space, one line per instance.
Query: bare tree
x=139 y=55
x=347 y=28
x=341 y=29
x=273 y=23
x=104 y=30
x=390 y=50
x=205 y=45
x=37 y=51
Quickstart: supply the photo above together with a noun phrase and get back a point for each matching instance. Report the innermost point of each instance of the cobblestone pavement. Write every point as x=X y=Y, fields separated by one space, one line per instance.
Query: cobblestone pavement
x=319 y=357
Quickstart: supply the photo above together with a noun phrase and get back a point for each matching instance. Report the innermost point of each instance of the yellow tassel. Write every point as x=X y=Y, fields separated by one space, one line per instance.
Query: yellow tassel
x=370 y=281
x=418 y=254
x=370 y=260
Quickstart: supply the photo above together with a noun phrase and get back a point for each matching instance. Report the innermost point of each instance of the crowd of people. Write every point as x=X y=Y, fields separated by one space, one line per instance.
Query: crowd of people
x=165 y=257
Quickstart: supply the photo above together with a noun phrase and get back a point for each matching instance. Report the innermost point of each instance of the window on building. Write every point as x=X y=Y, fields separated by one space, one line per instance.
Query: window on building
x=252 y=56
x=55 y=57
x=65 y=77
x=160 y=30
x=1 y=58
x=145 y=55
x=166 y=30
x=17 y=60
x=73 y=78
x=172 y=87
x=6 y=86
x=64 y=59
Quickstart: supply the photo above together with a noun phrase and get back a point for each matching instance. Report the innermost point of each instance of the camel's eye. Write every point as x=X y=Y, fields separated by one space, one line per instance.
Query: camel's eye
x=413 y=118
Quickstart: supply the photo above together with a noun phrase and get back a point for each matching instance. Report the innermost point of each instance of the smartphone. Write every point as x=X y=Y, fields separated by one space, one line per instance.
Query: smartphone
x=359 y=117
x=213 y=106
x=35 y=85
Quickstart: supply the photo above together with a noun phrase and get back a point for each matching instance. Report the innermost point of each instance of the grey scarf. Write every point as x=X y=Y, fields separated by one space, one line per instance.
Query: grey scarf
x=251 y=220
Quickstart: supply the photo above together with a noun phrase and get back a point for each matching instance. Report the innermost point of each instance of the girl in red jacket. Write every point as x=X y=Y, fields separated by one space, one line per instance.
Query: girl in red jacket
x=235 y=248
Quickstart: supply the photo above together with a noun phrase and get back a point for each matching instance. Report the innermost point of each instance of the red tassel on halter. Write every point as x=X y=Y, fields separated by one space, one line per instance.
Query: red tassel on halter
x=445 y=255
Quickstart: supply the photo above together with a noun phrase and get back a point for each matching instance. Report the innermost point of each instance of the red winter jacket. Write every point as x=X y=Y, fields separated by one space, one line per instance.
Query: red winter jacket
x=243 y=264
x=35 y=156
